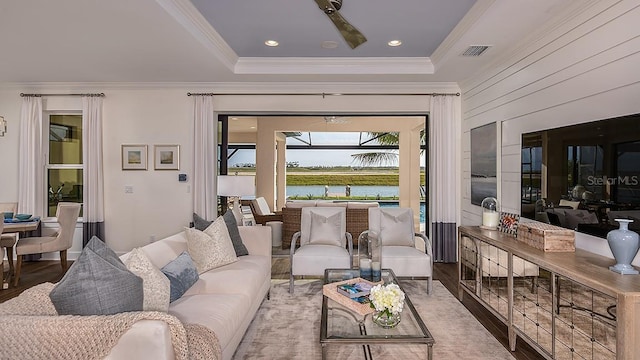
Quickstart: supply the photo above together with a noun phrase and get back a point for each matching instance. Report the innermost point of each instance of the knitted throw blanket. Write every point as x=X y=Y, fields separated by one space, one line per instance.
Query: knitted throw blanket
x=30 y=328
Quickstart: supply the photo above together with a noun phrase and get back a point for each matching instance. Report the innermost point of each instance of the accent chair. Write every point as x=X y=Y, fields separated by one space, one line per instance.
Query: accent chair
x=324 y=243
x=67 y=214
x=8 y=241
x=407 y=253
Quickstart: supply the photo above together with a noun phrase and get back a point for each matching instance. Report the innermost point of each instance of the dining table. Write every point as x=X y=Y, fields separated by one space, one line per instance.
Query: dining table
x=14 y=226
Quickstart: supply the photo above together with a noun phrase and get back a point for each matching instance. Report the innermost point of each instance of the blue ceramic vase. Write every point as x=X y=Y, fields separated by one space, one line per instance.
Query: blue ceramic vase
x=624 y=245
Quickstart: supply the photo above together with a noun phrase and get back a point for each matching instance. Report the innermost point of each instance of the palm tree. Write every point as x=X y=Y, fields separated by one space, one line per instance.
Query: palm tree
x=380 y=158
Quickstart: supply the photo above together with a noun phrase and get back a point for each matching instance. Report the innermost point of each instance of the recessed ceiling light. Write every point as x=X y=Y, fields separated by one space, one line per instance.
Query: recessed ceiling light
x=271 y=43
x=234 y=118
x=329 y=44
x=252 y=127
x=394 y=43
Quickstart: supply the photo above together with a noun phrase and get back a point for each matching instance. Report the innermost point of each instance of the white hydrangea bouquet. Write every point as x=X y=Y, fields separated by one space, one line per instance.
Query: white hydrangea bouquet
x=388 y=300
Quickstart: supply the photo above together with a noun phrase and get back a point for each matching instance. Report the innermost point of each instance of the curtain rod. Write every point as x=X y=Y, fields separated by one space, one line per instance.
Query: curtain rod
x=40 y=95
x=328 y=94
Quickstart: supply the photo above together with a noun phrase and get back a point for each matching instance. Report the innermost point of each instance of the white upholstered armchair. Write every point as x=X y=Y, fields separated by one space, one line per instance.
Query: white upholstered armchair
x=324 y=242
x=67 y=215
x=402 y=248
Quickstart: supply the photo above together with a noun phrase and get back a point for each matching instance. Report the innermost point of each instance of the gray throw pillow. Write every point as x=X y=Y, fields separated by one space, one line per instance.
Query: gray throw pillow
x=97 y=283
x=234 y=233
x=182 y=274
x=200 y=223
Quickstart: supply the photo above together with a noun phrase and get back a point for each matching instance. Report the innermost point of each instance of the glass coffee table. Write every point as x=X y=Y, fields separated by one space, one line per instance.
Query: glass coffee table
x=341 y=326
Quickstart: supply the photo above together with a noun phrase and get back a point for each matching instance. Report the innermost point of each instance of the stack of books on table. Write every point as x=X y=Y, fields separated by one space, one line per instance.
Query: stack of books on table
x=352 y=293
x=358 y=291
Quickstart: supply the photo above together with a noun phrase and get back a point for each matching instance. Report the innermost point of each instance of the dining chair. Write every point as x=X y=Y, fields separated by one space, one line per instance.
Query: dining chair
x=324 y=242
x=406 y=252
x=8 y=241
x=67 y=215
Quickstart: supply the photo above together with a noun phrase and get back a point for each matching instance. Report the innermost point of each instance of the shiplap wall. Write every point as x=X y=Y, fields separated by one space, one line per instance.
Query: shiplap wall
x=583 y=68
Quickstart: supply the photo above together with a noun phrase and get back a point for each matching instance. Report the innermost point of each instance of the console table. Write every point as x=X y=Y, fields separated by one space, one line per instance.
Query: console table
x=567 y=305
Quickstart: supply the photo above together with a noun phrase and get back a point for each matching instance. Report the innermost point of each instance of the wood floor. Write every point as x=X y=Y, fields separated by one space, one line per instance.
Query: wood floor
x=37 y=272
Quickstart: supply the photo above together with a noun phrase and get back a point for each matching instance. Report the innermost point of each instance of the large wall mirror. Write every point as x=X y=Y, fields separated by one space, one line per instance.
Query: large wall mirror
x=583 y=176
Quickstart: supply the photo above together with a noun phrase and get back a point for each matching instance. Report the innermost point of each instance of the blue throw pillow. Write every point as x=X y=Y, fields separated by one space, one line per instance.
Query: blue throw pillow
x=199 y=223
x=234 y=233
x=182 y=274
x=97 y=283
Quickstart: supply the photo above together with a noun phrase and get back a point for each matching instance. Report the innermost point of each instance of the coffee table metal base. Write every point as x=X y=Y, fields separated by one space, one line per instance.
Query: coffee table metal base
x=340 y=326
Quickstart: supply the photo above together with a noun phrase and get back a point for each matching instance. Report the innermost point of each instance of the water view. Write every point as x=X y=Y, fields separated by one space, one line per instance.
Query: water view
x=369 y=192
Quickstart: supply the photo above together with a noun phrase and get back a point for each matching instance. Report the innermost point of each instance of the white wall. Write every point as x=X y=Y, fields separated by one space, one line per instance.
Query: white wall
x=160 y=205
x=584 y=68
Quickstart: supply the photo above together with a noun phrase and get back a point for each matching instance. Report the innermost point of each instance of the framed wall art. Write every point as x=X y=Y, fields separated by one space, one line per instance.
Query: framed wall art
x=134 y=157
x=167 y=157
x=483 y=163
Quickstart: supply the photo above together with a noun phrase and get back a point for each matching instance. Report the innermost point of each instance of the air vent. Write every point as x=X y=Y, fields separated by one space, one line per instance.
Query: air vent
x=475 y=50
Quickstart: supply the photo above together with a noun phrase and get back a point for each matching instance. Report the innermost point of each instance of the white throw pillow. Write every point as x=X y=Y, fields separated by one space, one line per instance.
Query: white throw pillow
x=395 y=230
x=212 y=247
x=325 y=230
x=155 y=285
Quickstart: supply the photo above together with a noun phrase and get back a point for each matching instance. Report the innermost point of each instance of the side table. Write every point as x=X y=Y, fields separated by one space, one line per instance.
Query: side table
x=276 y=232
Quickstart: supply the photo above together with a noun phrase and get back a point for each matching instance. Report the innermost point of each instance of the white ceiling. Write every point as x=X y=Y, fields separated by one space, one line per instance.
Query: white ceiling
x=222 y=41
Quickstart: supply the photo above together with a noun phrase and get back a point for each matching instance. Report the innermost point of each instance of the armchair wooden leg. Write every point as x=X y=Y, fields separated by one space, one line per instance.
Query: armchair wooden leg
x=10 y=258
x=430 y=285
x=16 y=276
x=63 y=260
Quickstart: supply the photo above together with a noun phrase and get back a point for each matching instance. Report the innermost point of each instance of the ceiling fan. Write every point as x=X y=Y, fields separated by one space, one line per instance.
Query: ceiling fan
x=351 y=35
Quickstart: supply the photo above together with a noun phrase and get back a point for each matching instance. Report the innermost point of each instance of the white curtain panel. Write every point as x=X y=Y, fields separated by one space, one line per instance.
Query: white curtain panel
x=93 y=180
x=442 y=175
x=31 y=158
x=205 y=199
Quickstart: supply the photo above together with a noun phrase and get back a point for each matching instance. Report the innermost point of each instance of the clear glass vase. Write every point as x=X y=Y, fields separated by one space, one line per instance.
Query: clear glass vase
x=369 y=253
x=386 y=319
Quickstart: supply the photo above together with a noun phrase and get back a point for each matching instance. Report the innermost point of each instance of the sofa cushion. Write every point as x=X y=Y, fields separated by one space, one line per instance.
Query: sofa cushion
x=155 y=285
x=232 y=226
x=200 y=223
x=396 y=228
x=224 y=314
x=212 y=247
x=300 y=204
x=325 y=229
x=234 y=234
x=98 y=283
x=182 y=274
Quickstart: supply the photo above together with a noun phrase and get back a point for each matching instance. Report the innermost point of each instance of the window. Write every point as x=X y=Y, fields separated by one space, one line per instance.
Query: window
x=63 y=173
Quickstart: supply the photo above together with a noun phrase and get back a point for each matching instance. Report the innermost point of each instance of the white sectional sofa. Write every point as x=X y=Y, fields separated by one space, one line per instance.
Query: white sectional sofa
x=224 y=299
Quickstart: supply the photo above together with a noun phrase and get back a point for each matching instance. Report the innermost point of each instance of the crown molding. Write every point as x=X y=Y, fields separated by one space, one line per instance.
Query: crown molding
x=333 y=65
x=274 y=88
x=474 y=14
x=192 y=20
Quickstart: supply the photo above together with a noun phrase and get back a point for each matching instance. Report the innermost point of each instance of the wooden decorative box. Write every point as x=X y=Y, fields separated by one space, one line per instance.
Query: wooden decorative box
x=546 y=237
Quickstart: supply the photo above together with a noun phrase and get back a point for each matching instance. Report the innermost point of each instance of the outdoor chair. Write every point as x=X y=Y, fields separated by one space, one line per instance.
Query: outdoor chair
x=324 y=243
x=262 y=213
x=402 y=249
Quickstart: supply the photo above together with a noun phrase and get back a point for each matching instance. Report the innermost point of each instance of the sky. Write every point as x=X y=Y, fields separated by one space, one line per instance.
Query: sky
x=314 y=157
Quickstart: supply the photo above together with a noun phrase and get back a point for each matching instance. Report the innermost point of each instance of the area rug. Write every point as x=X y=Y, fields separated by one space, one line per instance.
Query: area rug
x=288 y=327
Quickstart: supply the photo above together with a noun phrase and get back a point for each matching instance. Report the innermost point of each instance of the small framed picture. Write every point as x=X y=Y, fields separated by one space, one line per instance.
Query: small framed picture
x=167 y=157
x=134 y=157
x=509 y=223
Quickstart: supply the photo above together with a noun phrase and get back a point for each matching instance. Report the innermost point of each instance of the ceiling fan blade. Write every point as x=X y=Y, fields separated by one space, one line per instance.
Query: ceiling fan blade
x=351 y=35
